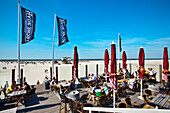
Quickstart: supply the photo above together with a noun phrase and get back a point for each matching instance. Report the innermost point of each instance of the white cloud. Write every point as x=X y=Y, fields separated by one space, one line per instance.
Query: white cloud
x=46 y=38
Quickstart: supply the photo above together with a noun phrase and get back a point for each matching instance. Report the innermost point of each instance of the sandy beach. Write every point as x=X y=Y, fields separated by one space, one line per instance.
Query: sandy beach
x=35 y=70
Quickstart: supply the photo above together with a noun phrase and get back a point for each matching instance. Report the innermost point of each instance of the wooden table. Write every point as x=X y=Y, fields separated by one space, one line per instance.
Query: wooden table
x=161 y=100
x=66 y=86
x=88 y=80
x=18 y=95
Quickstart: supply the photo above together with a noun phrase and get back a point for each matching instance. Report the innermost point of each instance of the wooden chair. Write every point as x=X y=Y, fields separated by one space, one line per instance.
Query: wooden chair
x=147 y=104
x=129 y=103
x=81 y=102
x=119 y=92
x=65 y=101
x=149 y=94
x=99 y=100
x=32 y=92
x=108 y=96
x=124 y=90
x=122 y=105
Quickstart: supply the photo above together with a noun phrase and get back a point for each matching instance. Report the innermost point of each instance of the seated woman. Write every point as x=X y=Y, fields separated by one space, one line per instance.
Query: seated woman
x=12 y=87
x=131 y=82
x=151 y=76
x=166 y=87
x=26 y=87
x=105 y=88
x=54 y=84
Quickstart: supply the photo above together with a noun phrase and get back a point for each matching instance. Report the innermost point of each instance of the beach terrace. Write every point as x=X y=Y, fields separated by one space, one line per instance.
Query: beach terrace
x=49 y=101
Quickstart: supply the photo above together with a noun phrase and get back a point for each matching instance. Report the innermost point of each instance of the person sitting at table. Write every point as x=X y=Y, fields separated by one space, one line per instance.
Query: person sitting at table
x=54 y=84
x=97 y=90
x=167 y=85
x=123 y=84
x=151 y=78
x=105 y=88
x=26 y=87
x=127 y=74
x=131 y=82
x=93 y=77
x=12 y=87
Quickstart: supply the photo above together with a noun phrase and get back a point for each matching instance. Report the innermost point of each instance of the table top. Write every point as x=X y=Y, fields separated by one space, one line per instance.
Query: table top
x=65 y=84
x=74 y=95
x=17 y=93
x=161 y=100
x=87 y=79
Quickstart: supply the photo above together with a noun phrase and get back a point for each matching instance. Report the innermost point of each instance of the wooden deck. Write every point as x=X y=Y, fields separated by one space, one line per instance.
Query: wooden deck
x=48 y=101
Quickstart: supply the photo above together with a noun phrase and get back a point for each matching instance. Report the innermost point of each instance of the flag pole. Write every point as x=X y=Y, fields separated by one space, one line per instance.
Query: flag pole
x=18 y=79
x=118 y=50
x=53 y=46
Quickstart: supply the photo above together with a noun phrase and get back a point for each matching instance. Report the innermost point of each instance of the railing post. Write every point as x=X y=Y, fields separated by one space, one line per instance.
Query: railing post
x=86 y=68
x=160 y=72
x=97 y=69
x=130 y=67
x=57 y=74
x=50 y=73
x=21 y=81
x=13 y=75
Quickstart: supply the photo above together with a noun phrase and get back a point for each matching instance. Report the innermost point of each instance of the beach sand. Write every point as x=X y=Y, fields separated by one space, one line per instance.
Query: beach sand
x=35 y=70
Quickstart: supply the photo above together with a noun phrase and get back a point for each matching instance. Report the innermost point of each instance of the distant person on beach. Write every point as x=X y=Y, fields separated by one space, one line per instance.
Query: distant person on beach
x=54 y=84
x=12 y=88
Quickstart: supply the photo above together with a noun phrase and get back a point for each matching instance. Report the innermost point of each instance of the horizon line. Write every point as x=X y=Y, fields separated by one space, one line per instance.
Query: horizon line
x=73 y=59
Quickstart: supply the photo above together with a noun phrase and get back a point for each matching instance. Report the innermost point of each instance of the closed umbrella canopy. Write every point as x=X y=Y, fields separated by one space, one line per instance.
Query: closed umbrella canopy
x=141 y=68
x=75 y=62
x=106 y=61
x=165 y=64
x=124 y=59
x=112 y=78
x=165 y=59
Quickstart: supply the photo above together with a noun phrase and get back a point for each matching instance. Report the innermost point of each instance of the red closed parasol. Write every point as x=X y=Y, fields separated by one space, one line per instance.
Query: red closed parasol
x=106 y=61
x=141 y=68
x=165 y=59
x=75 y=62
x=165 y=64
x=124 y=59
x=112 y=77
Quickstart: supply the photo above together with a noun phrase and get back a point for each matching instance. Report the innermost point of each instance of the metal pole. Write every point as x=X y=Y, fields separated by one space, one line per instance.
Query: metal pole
x=18 y=79
x=53 y=46
x=118 y=51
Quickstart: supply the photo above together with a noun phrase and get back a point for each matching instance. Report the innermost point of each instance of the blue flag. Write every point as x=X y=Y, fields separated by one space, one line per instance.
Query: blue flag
x=62 y=31
x=28 y=25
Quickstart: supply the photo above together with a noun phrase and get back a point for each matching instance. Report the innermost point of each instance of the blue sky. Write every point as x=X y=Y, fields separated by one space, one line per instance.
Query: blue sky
x=92 y=26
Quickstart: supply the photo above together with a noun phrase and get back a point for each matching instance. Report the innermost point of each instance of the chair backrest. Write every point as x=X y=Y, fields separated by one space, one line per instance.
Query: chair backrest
x=128 y=101
x=144 y=98
x=148 y=92
x=63 y=97
x=84 y=97
x=32 y=91
x=122 y=105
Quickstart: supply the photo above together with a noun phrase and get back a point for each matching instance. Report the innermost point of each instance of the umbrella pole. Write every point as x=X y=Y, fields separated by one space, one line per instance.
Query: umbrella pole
x=114 y=99
x=140 y=97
